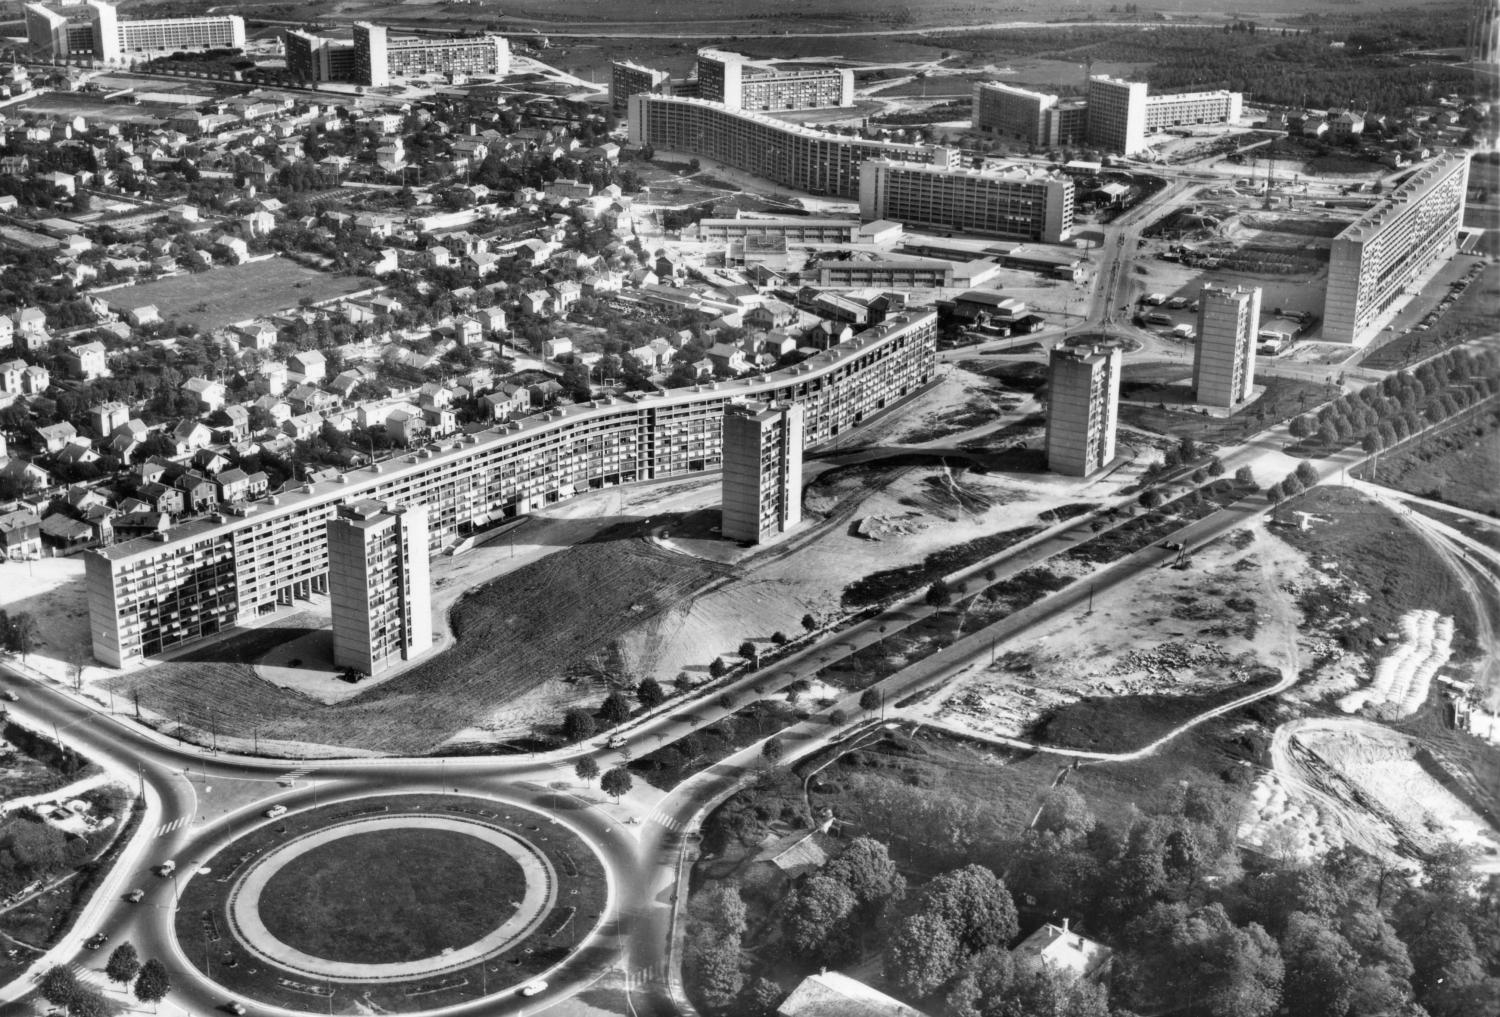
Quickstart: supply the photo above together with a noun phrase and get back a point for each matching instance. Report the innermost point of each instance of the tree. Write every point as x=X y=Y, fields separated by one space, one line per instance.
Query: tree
x=747 y=650
x=1301 y=427
x=650 y=693
x=773 y=750
x=1187 y=448
x=1275 y=494
x=974 y=905
x=578 y=724
x=1328 y=434
x=1320 y=968
x=586 y=769
x=923 y=955
x=615 y=708
x=761 y=997
x=718 y=669
x=89 y=1002
x=838 y=718
x=1064 y=813
x=817 y=917
x=1244 y=476
x=153 y=983
x=616 y=782
x=1049 y=992
x=866 y=869
x=870 y=699
x=779 y=638
x=1150 y=498
x=123 y=964
x=939 y=595
x=1307 y=474
x=23 y=634
x=1292 y=486
x=717 y=962
x=809 y=622
x=59 y=986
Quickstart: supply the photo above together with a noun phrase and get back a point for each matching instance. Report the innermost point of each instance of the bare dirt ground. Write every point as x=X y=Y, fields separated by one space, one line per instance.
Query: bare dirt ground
x=1170 y=632
x=1366 y=785
x=51 y=591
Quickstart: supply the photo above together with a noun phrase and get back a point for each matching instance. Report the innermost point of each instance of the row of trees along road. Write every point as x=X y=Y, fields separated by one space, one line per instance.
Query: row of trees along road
x=61 y=987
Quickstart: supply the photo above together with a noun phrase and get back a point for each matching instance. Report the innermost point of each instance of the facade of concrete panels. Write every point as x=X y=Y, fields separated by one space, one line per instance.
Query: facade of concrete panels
x=379 y=586
x=1224 y=361
x=762 y=479
x=1082 y=409
x=1388 y=248
x=1016 y=205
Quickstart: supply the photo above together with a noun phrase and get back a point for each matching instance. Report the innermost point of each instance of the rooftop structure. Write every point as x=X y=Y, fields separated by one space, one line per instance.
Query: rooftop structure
x=830 y=994
x=1064 y=951
x=787 y=154
x=206 y=575
x=1379 y=255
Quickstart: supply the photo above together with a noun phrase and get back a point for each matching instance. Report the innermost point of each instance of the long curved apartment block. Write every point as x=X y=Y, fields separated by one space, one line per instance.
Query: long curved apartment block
x=207 y=575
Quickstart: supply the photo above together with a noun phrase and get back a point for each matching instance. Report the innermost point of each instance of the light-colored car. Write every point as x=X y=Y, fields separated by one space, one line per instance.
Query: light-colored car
x=275 y=811
x=135 y=896
x=166 y=868
x=533 y=988
x=235 y=1007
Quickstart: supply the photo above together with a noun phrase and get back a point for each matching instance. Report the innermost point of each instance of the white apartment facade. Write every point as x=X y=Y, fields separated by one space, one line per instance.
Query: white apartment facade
x=1015 y=204
x=1224 y=360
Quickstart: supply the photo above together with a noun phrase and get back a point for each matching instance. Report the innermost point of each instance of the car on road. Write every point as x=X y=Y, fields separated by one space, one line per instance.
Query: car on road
x=11 y=696
x=617 y=742
x=533 y=988
x=166 y=868
x=275 y=811
x=1172 y=545
x=95 y=941
x=235 y=1007
x=135 y=896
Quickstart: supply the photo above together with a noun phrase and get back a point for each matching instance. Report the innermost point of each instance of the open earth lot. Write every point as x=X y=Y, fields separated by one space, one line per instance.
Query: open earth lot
x=232 y=293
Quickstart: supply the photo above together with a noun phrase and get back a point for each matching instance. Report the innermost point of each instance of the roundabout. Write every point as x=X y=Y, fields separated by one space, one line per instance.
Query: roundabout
x=398 y=903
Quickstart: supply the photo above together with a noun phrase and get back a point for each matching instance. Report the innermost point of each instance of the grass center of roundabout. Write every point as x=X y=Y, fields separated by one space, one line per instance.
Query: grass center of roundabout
x=391 y=895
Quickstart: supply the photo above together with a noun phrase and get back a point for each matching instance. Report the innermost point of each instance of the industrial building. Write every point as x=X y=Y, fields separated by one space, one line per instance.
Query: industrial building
x=204 y=576
x=801 y=230
x=379 y=585
x=1224 y=361
x=1376 y=258
x=738 y=82
x=762 y=479
x=1016 y=204
x=787 y=154
x=93 y=29
x=1083 y=405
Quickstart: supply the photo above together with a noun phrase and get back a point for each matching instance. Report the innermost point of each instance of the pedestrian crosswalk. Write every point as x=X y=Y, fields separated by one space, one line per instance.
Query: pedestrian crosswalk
x=292 y=776
x=662 y=819
x=175 y=824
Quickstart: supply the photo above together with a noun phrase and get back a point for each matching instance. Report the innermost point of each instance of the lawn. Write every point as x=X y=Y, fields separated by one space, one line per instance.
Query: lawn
x=553 y=619
x=232 y=293
x=1460 y=466
x=1388 y=570
x=393 y=895
x=201 y=920
x=1154 y=400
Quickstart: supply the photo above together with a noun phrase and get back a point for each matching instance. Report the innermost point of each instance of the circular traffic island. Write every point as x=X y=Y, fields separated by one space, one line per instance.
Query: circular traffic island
x=402 y=904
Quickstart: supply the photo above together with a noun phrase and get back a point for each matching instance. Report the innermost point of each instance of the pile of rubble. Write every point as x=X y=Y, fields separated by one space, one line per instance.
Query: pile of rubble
x=883 y=527
x=1171 y=656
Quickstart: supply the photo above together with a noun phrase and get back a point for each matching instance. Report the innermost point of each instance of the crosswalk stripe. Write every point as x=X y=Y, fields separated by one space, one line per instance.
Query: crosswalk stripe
x=670 y=822
x=173 y=825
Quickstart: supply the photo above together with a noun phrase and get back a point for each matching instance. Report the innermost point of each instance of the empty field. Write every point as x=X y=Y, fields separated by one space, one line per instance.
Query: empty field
x=550 y=621
x=1461 y=466
x=223 y=296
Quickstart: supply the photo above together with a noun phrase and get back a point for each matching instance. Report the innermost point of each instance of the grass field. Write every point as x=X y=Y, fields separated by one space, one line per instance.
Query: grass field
x=1388 y=570
x=223 y=296
x=1460 y=466
x=544 y=621
x=1155 y=400
x=393 y=895
x=582 y=892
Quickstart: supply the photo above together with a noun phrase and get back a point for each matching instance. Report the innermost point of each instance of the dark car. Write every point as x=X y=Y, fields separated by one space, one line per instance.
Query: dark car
x=95 y=941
